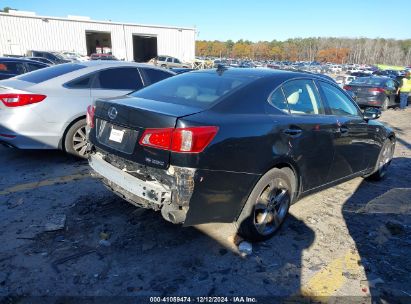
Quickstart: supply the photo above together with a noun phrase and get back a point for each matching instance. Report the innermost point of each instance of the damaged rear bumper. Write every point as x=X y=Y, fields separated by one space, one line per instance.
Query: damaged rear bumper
x=166 y=190
x=183 y=195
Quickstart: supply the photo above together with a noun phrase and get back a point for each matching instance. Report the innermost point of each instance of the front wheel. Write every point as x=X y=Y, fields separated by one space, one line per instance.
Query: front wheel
x=384 y=160
x=75 y=142
x=267 y=206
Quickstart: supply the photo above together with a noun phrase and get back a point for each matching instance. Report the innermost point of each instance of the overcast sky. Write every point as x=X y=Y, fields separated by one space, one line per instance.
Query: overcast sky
x=253 y=20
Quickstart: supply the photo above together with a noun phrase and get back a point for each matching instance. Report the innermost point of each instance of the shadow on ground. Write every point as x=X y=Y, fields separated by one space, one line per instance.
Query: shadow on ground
x=378 y=218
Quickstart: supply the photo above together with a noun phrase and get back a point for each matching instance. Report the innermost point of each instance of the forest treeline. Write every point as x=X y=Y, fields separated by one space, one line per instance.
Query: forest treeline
x=337 y=50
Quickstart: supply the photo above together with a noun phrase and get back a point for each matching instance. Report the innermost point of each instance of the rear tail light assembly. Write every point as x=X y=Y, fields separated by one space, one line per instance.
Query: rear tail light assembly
x=17 y=100
x=90 y=116
x=180 y=140
x=347 y=88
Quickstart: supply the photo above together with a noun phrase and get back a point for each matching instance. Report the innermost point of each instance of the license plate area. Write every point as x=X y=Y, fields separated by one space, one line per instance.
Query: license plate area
x=116 y=137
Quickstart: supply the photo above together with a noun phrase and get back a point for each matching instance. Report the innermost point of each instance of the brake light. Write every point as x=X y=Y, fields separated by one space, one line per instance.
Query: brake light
x=378 y=90
x=181 y=140
x=347 y=88
x=18 y=100
x=157 y=138
x=90 y=116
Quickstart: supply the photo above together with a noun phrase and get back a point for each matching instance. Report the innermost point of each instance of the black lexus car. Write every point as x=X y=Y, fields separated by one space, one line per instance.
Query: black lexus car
x=234 y=145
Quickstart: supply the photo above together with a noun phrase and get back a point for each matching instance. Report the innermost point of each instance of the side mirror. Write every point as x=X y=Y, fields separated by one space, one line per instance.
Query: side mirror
x=372 y=113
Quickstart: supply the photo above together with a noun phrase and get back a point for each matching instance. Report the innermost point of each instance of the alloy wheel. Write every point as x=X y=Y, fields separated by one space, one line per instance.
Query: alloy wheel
x=386 y=157
x=271 y=207
x=80 y=141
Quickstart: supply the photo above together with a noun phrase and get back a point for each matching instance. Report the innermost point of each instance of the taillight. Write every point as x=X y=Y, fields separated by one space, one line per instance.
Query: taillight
x=90 y=116
x=18 y=100
x=181 y=140
x=157 y=138
x=378 y=90
x=347 y=88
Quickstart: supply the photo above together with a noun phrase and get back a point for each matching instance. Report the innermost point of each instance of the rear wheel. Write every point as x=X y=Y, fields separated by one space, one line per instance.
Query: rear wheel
x=384 y=160
x=267 y=206
x=385 y=104
x=75 y=141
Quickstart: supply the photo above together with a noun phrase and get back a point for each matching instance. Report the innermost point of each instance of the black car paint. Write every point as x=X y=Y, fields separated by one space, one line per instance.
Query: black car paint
x=22 y=61
x=253 y=137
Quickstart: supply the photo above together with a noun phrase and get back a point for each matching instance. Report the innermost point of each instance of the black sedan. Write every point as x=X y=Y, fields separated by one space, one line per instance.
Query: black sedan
x=12 y=66
x=374 y=91
x=234 y=145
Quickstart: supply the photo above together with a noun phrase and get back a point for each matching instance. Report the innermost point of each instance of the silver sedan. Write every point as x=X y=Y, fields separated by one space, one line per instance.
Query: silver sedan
x=46 y=109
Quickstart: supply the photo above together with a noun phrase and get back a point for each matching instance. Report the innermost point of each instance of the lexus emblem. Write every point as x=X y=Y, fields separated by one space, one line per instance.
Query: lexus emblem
x=112 y=113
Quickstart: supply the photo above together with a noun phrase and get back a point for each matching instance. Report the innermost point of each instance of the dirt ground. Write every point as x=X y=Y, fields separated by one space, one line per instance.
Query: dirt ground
x=63 y=234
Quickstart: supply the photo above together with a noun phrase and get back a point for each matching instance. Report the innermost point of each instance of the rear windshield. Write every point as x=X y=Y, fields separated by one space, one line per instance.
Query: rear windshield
x=51 y=72
x=192 y=89
x=369 y=81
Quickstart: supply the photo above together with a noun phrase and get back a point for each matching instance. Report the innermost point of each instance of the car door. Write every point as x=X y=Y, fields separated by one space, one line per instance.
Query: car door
x=115 y=82
x=391 y=90
x=306 y=130
x=350 y=132
x=169 y=62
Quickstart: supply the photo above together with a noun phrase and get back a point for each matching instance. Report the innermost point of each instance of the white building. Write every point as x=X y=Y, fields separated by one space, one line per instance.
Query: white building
x=23 y=31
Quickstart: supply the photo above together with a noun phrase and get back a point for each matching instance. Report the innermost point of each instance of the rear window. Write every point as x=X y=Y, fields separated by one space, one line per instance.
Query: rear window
x=192 y=89
x=51 y=72
x=369 y=81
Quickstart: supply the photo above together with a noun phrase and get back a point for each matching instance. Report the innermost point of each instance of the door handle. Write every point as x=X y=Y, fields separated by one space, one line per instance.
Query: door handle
x=293 y=132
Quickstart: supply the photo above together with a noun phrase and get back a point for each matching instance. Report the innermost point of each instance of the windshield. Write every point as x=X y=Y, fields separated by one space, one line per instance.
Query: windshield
x=192 y=89
x=372 y=81
x=50 y=72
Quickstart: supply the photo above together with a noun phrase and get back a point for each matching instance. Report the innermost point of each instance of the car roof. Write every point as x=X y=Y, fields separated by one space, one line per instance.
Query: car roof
x=18 y=59
x=114 y=63
x=262 y=73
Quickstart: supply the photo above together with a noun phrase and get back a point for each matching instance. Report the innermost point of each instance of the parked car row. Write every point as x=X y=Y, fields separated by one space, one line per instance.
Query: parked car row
x=184 y=144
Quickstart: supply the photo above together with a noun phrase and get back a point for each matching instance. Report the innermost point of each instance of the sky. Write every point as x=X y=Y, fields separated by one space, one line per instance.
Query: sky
x=252 y=20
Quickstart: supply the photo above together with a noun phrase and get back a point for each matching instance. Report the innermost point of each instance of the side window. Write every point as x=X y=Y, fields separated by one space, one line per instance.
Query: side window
x=80 y=83
x=390 y=84
x=119 y=79
x=161 y=58
x=277 y=99
x=169 y=59
x=153 y=75
x=13 y=68
x=176 y=60
x=338 y=102
x=33 y=66
x=302 y=97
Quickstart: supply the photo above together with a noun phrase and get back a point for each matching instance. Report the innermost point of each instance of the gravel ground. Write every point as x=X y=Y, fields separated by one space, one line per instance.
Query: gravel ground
x=63 y=234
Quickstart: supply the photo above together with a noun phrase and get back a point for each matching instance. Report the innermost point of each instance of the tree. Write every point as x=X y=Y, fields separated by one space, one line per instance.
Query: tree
x=7 y=9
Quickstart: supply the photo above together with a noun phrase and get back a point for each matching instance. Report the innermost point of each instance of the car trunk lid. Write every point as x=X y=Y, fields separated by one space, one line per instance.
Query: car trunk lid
x=365 y=90
x=120 y=123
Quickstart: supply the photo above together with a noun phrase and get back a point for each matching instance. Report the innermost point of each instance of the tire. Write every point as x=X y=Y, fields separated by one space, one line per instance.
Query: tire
x=383 y=162
x=164 y=66
x=267 y=206
x=384 y=106
x=75 y=140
